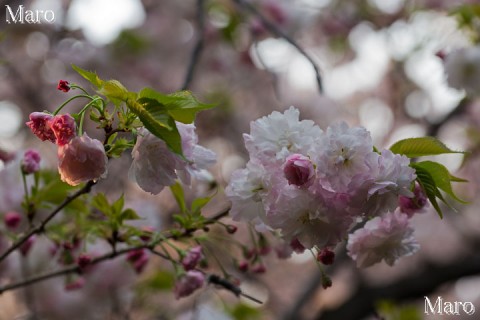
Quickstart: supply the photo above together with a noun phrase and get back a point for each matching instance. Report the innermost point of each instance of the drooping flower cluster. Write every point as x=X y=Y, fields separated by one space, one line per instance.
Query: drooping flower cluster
x=313 y=185
x=80 y=158
x=155 y=166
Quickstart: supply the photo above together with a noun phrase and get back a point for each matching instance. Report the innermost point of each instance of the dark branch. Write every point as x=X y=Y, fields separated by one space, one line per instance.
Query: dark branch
x=41 y=227
x=197 y=50
x=416 y=285
x=110 y=255
x=273 y=28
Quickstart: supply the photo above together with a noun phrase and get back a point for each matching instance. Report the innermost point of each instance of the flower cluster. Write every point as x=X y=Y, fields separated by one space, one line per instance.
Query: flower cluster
x=80 y=158
x=313 y=186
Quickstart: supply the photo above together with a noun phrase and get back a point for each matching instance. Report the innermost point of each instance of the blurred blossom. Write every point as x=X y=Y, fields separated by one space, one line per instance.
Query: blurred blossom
x=12 y=220
x=192 y=258
x=31 y=161
x=463 y=69
x=189 y=283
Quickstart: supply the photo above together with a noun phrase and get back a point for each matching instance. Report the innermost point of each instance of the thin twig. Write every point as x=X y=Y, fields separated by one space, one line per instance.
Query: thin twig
x=107 y=256
x=273 y=28
x=197 y=50
x=41 y=227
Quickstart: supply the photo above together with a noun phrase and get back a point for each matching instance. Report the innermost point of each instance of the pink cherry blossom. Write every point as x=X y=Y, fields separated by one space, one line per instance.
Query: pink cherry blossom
x=274 y=137
x=40 y=125
x=388 y=238
x=81 y=160
x=64 y=128
x=188 y=283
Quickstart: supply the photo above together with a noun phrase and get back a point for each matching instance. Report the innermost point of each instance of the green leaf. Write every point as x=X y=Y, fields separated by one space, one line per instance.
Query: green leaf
x=181 y=106
x=118 y=147
x=129 y=214
x=427 y=183
x=161 y=280
x=117 y=206
x=441 y=176
x=418 y=147
x=199 y=203
x=90 y=76
x=244 y=312
x=177 y=192
x=158 y=123
x=114 y=91
x=100 y=202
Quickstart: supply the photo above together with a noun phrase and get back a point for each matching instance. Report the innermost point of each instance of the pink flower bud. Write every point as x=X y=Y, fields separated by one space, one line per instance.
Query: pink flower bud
x=140 y=264
x=138 y=258
x=40 y=125
x=12 y=219
x=326 y=282
x=298 y=170
x=326 y=256
x=64 y=128
x=192 y=258
x=297 y=246
x=147 y=233
x=188 y=283
x=278 y=14
x=63 y=86
x=260 y=268
x=27 y=245
x=134 y=255
x=83 y=261
x=31 y=161
x=75 y=285
x=81 y=160
x=231 y=229
x=243 y=266
x=410 y=206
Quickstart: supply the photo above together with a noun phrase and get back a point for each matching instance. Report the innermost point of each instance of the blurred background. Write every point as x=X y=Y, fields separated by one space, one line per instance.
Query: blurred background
x=382 y=67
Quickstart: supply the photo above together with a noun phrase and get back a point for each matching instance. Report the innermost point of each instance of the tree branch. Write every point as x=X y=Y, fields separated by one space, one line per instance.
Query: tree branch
x=41 y=227
x=197 y=50
x=107 y=256
x=273 y=28
x=416 y=285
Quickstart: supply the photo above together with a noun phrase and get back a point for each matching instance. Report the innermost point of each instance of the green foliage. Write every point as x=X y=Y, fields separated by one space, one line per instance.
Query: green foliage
x=390 y=311
x=442 y=177
x=49 y=190
x=426 y=181
x=244 y=312
x=116 y=146
x=114 y=213
x=160 y=280
x=418 y=147
x=434 y=178
x=157 y=112
x=90 y=76
x=181 y=106
x=468 y=16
